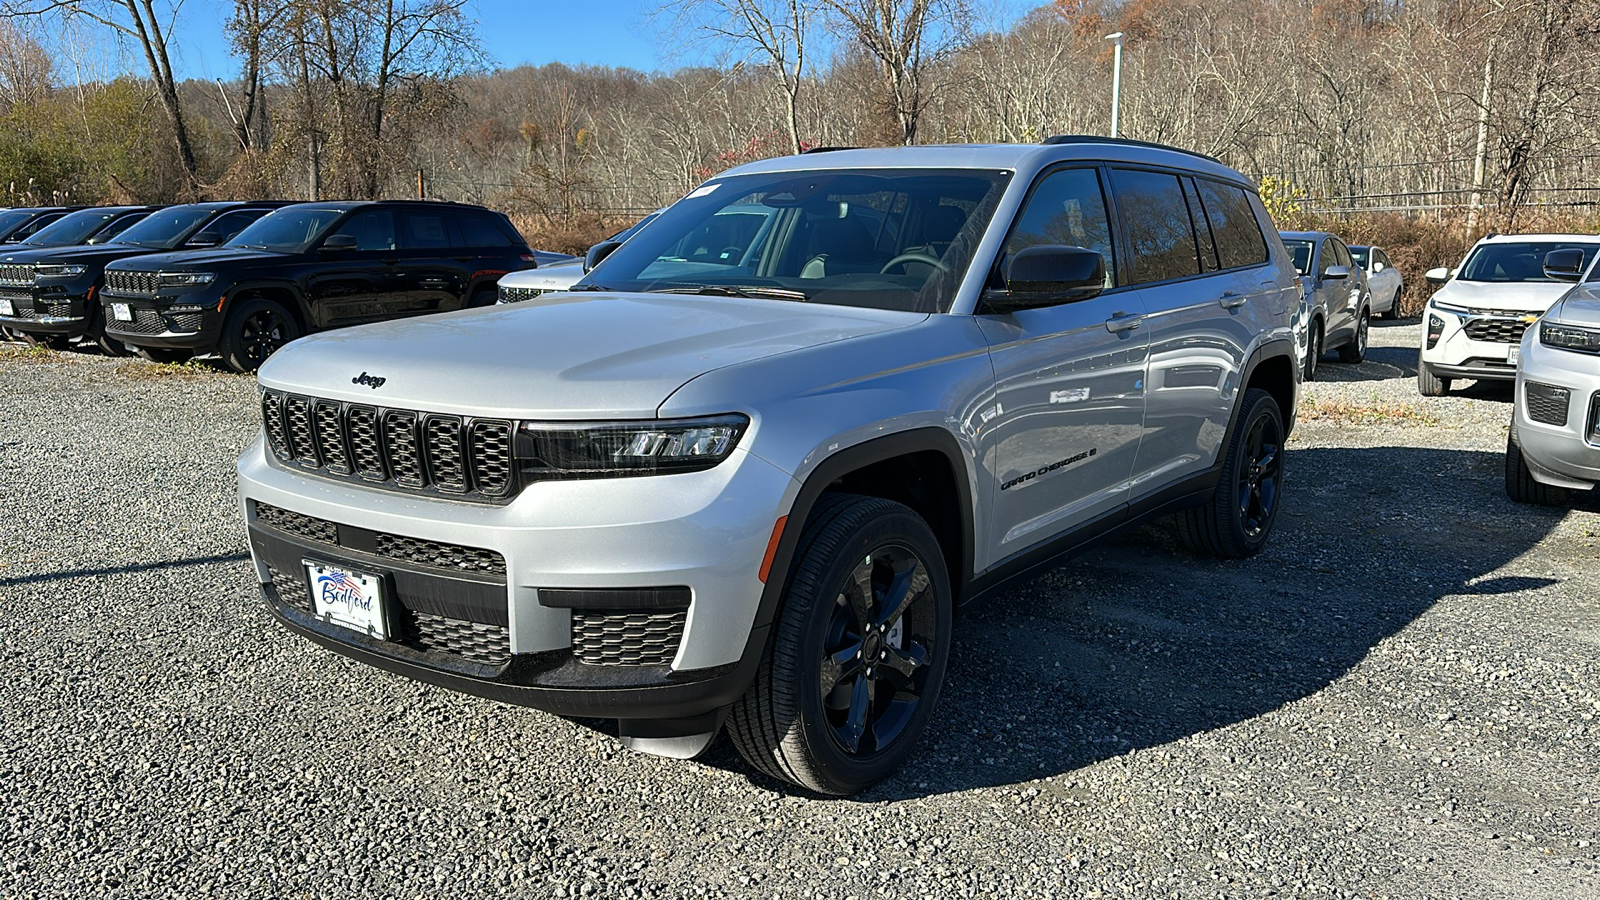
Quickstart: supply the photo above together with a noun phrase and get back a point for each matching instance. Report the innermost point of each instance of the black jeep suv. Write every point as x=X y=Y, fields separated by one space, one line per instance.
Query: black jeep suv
x=310 y=267
x=22 y=222
x=64 y=305
x=96 y=225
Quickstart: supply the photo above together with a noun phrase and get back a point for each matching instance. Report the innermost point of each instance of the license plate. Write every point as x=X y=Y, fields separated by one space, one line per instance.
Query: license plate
x=353 y=600
x=5 y=307
x=1513 y=354
x=122 y=312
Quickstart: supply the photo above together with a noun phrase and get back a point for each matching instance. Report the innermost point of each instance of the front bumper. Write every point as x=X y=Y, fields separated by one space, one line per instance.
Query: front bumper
x=154 y=323
x=53 y=312
x=1476 y=344
x=1565 y=454
x=508 y=640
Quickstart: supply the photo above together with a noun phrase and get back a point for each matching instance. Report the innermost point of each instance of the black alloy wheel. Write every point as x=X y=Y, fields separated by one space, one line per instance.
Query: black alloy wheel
x=875 y=658
x=1356 y=350
x=852 y=671
x=1260 y=476
x=255 y=330
x=1313 y=352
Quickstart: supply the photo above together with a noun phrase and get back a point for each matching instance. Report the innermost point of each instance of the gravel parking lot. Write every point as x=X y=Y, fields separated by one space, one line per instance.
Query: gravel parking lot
x=1397 y=699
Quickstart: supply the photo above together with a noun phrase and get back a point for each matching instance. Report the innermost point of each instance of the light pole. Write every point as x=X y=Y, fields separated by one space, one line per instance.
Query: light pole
x=1116 y=81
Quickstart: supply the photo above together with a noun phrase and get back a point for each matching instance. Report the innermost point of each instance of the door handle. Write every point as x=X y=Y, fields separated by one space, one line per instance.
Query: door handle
x=390 y=261
x=1123 y=322
x=1232 y=300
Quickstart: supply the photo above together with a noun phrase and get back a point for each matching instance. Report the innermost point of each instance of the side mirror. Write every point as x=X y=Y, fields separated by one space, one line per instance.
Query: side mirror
x=1564 y=265
x=597 y=253
x=1437 y=276
x=339 y=242
x=1047 y=275
x=1336 y=272
x=203 y=240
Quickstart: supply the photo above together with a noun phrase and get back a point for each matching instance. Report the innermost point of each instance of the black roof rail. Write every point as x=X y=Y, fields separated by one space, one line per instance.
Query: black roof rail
x=1127 y=142
x=825 y=149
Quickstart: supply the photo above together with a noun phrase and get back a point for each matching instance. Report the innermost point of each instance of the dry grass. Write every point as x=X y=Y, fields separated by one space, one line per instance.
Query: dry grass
x=1377 y=412
x=143 y=370
x=27 y=354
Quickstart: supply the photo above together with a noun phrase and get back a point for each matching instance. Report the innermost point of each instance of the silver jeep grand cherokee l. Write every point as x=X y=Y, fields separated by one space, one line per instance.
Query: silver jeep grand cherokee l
x=708 y=489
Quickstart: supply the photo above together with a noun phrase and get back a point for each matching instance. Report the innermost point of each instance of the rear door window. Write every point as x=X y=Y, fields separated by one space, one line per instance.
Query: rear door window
x=1155 y=218
x=373 y=229
x=227 y=225
x=480 y=230
x=1233 y=224
x=425 y=230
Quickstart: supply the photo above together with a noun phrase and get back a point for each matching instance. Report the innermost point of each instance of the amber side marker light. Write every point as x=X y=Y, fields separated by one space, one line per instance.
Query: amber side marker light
x=772 y=548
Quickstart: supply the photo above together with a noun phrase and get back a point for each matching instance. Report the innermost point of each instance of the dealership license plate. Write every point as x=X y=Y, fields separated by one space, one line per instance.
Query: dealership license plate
x=122 y=312
x=6 y=308
x=1513 y=354
x=348 y=598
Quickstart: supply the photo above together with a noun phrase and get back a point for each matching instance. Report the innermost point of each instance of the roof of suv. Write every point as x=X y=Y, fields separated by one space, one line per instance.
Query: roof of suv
x=1018 y=157
x=1519 y=238
x=353 y=204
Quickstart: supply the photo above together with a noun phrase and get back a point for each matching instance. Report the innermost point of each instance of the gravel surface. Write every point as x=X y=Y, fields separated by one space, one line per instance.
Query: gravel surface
x=1397 y=699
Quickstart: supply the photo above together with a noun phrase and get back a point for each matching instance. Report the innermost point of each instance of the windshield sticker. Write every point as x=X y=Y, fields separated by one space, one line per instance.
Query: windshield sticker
x=702 y=190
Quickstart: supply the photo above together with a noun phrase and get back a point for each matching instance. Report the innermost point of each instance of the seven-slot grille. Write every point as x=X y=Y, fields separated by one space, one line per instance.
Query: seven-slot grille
x=1497 y=331
x=396 y=448
x=129 y=282
x=518 y=294
x=16 y=274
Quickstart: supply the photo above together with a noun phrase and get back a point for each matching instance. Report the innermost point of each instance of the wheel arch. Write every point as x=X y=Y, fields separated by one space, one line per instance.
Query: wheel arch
x=1272 y=368
x=922 y=468
x=287 y=294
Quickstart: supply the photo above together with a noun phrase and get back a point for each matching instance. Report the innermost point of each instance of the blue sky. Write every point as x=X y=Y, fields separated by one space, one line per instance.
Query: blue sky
x=514 y=32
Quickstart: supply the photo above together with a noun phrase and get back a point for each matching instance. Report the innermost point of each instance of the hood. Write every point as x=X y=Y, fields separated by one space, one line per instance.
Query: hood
x=1581 y=307
x=101 y=253
x=21 y=253
x=562 y=356
x=189 y=260
x=1520 y=296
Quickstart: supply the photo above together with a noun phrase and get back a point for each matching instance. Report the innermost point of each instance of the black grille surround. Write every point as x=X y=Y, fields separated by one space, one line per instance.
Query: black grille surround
x=1547 y=403
x=152 y=321
x=1496 y=331
x=448 y=456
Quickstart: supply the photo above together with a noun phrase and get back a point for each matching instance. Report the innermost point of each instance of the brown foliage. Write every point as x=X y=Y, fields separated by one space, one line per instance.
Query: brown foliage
x=562 y=234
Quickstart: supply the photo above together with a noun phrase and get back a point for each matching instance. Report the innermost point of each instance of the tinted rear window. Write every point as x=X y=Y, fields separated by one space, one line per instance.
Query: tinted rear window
x=481 y=230
x=1161 y=242
x=1233 y=224
x=425 y=231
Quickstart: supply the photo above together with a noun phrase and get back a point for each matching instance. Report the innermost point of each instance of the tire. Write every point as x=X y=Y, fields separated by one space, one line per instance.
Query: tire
x=1393 y=314
x=254 y=330
x=97 y=336
x=1313 y=352
x=1236 y=522
x=163 y=355
x=1429 y=384
x=1521 y=486
x=1355 y=350
x=794 y=727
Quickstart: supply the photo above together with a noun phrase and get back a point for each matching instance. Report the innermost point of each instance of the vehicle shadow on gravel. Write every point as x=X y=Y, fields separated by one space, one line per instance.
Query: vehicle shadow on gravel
x=1141 y=642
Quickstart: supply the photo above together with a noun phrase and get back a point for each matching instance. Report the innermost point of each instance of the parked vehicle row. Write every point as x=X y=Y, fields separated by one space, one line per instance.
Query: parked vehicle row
x=243 y=279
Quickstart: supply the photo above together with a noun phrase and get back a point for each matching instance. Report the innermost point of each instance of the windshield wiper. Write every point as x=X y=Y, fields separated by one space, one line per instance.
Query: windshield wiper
x=587 y=287
x=751 y=291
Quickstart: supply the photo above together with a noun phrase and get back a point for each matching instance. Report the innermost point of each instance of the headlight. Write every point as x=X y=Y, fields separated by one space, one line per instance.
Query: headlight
x=185 y=279
x=1569 y=337
x=48 y=271
x=1449 y=307
x=617 y=449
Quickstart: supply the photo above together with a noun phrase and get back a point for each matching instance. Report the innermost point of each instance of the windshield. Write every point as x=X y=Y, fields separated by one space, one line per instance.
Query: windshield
x=11 y=218
x=882 y=238
x=1301 y=251
x=633 y=229
x=1360 y=255
x=164 y=229
x=288 y=230
x=1521 y=261
x=74 y=228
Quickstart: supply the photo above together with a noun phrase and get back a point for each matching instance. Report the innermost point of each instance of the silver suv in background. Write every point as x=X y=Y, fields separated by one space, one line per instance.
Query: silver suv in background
x=1384 y=282
x=557 y=273
x=694 y=494
x=1338 y=306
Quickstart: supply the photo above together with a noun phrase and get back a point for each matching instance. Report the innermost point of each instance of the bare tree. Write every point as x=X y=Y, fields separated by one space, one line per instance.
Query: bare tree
x=906 y=38
x=774 y=32
x=25 y=67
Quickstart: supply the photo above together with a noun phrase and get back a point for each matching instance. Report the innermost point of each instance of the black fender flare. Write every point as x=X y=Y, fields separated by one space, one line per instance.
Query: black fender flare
x=1264 y=351
x=299 y=306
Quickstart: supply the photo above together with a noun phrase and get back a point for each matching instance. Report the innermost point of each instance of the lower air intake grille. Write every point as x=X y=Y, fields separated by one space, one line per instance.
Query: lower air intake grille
x=476 y=641
x=291 y=590
x=310 y=528
x=627 y=639
x=440 y=556
x=1547 y=403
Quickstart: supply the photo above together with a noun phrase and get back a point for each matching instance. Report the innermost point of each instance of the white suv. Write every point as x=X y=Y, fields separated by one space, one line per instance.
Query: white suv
x=1554 y=444
x=1473 y=325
